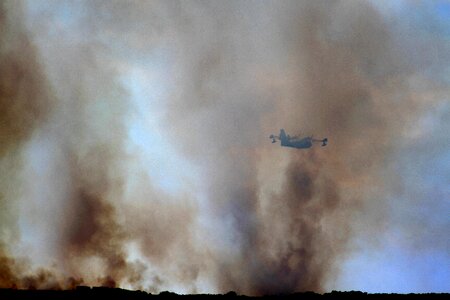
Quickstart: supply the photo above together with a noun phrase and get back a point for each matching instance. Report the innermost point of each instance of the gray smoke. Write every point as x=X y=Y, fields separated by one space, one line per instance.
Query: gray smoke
x=256 y=218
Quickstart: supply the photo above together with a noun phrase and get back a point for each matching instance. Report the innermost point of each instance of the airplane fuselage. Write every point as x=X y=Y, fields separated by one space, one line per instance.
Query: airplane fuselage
x=297 y=143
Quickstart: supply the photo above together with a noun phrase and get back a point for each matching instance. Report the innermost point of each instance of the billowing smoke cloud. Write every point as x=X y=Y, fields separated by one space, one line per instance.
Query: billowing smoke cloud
x=238 y=213
x=83 y=184
x=329 y=68
x=24 y=100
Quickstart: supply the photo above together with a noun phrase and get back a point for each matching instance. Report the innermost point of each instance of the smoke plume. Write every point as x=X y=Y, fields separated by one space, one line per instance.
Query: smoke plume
x=25 y=97
x=135 y=151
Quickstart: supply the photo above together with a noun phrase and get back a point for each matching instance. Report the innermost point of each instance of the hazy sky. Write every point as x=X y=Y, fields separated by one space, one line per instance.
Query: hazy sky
x=135 y=149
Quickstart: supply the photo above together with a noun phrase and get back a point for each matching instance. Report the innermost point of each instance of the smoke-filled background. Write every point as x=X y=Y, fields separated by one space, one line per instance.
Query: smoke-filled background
x=134 y=147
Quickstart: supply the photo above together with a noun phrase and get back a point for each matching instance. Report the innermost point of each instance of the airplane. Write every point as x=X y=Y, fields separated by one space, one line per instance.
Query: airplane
x=296 y=142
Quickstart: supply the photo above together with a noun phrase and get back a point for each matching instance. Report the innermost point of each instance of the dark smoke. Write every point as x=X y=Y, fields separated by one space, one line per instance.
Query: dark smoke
x=341 y=73
x=25 y=101
x=262 y=219
x=91 y=229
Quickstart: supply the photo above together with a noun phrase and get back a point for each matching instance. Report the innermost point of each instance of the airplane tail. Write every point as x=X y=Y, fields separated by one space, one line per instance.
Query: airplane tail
x=324 y=142
x=283 y=137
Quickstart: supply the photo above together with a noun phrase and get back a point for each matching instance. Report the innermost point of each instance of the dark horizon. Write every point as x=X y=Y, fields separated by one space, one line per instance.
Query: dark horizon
x=86 y=292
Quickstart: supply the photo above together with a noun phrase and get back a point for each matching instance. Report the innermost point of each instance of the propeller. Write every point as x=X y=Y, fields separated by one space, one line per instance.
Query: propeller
x=273 y=137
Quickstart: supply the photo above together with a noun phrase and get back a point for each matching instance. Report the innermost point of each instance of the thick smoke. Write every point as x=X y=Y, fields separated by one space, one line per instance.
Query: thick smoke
x=330 y=68
x=263 y=219
x=25 y=98
x=83 y=186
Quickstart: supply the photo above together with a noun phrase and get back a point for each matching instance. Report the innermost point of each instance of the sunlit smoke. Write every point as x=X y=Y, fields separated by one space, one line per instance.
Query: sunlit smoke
x=135 y=151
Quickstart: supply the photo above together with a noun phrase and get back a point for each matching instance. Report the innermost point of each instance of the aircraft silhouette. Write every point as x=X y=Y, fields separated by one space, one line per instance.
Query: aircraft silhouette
x=296 y=142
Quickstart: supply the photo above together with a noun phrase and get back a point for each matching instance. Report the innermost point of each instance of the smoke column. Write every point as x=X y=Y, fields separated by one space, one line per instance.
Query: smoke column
x=135 y=151
x=25 y=99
